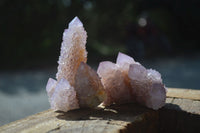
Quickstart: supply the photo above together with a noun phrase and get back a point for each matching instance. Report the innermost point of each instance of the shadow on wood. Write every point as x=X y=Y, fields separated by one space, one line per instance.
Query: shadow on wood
x=124 y=118
x=173 y=119
x=115 y=112
x=180 y=114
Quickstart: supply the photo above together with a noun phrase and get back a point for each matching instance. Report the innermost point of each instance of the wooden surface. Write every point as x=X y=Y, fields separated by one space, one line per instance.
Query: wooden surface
x=180 y=114
x=110 y=120
x=183 y=93
x=184 y=99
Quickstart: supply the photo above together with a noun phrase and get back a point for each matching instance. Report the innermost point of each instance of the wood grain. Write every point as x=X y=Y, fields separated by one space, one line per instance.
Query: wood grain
x=183 y=93
x=180 y=114
x=117 y=118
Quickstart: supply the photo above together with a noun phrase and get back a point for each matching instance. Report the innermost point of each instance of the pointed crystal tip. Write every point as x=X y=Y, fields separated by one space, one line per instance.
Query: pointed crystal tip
x=75 y=22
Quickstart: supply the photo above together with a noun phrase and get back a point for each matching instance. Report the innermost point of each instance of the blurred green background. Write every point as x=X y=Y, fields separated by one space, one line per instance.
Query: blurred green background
x=161 y=34
x=31 y=31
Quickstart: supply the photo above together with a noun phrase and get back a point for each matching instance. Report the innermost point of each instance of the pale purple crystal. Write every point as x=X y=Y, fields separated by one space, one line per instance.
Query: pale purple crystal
x=64 y=97
x=128 y=80
x=148 y=87
x=78 y=85
x=124 y=60
x=137 y=72
x=73 y=50
x=50 y=88
x=73 y=72
x=114 y=82
x=90 y=91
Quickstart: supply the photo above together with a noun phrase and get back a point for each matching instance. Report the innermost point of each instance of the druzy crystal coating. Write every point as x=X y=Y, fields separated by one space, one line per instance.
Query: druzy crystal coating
x=73 y=50
x=64 y=96
x=77 y=85
x=129 y=81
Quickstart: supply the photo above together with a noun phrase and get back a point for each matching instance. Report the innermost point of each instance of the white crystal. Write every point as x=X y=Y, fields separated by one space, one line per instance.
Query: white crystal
x=123 y=59
x=51 y=84
x=64 y=97
x=75 y=22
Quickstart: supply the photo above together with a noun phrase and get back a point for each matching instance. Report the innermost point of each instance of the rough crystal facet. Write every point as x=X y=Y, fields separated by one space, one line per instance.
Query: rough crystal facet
x=147 y=86
x=128 y=80
x=64 y=97
x=77 y=84
x=73 y=50
x=90 y=91
x=114 y=82
x=51 y=84
x=124 y=60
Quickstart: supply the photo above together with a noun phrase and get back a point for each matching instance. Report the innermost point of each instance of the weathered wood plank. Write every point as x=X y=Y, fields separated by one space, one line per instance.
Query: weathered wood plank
x=178 y=115
x=186 y=105
x=183 y=93
x=195 y=109
x=127 y=117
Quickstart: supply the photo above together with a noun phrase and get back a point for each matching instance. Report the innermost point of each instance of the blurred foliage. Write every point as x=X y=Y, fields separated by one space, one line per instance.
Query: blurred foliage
x=31 y=31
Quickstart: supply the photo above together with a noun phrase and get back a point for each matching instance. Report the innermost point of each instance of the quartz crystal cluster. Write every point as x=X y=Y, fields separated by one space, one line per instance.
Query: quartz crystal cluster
x=77 y=85
x=129 y=81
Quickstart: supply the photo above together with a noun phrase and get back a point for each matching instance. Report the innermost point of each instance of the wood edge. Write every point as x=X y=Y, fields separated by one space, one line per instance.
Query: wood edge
x=171 y=93
x=34 y=116
x=183 y=93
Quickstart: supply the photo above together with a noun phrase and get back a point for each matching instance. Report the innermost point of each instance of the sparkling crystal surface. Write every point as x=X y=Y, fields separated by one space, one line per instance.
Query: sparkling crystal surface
x=147 y=86
x=77 y=84
x=129 y=81
x=114 y=82
x=64 y=97
x=73 y=51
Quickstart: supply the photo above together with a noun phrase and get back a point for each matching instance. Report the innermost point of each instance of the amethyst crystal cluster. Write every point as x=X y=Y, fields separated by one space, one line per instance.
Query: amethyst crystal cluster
x=77 y=85
x=129 y=81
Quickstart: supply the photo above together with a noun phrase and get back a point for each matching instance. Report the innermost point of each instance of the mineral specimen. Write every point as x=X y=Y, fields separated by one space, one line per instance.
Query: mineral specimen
x=64 y=96
x=129 y=81
x=73 y=51
x=114 y=82
x=90 y=91
x=77 y=84
x=147 y=86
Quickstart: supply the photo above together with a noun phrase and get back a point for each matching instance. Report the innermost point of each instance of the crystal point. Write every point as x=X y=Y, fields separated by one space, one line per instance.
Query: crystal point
x=51 y=84
x=79 y=86
x=129 y=81
x=124 y=59
x=75 y=22
x=73 y=51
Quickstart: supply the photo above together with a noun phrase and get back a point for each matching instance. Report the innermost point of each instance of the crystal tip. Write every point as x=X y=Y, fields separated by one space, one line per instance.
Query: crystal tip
x=75 y=22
